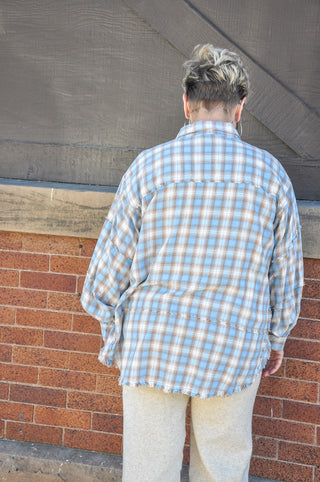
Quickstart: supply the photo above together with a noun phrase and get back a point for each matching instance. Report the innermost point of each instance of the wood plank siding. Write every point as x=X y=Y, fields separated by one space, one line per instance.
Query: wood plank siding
x=86 y=85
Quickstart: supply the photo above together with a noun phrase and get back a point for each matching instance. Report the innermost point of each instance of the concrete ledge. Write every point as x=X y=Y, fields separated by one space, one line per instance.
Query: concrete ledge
x=80 y=210
x=50 y=463
x=54 y=208
x=31 y=462
x=309 y=212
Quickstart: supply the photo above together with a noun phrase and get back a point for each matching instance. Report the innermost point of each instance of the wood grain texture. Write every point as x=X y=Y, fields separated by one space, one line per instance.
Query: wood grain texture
x=65 y=163
x=106 y=166
x=86 y=72
x=304 y=174
x=87 y=85
x=58 y=209
x=184 y=25
x=283 y=37
x=305 y=178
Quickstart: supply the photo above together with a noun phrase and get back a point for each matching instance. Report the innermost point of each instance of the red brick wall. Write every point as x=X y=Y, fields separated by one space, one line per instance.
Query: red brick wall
x=53 y=389
x=287 y=411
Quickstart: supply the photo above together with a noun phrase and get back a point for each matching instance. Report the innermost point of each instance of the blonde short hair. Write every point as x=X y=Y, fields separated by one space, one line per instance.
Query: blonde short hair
x=215 y=75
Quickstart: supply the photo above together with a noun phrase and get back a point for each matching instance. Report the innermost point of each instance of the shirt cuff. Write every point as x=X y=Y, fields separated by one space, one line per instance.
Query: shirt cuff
x=277 y=342
x=98 y=310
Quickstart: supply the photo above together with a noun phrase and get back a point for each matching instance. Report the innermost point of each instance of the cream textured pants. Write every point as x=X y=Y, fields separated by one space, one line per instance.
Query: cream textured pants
x=154 y=436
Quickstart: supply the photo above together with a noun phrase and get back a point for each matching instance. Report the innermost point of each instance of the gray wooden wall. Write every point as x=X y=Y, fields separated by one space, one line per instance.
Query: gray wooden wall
x=86 y=84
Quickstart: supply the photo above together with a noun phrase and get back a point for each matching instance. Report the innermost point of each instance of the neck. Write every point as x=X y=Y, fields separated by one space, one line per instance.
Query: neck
x=219 y=113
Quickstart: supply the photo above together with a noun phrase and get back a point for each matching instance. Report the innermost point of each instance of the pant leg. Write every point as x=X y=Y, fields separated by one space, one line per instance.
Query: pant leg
x=153 y=434
x=221 y=437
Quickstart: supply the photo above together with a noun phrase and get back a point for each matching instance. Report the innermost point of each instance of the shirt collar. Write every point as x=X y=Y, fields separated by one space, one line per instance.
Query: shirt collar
x=225 y=128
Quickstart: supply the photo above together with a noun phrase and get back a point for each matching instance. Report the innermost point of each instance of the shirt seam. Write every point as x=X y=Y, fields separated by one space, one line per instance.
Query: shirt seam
x=161 y=187
x=190 y=316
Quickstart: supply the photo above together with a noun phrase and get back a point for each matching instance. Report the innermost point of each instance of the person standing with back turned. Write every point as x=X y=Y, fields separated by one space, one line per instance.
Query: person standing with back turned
x=196 y=280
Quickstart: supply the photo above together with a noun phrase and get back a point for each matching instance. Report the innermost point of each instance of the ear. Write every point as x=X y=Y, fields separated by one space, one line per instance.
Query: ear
x=239 y=109
x=186 y=106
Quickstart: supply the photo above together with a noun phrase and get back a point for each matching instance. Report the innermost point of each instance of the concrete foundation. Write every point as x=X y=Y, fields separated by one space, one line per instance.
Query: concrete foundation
x=31 y=462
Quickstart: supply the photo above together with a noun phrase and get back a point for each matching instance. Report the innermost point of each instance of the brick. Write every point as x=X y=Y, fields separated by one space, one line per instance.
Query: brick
x=274 y=469
x=270 y=407
x=312 y=268
x=310 y=309
x=302 y=412
x=186 y=455
x=27 y=432
x=45 y=319
x=16 y=411
x=87 y=247
x=18 y=373
x=48 y=281
x=302 y=370
x=301 y=349
x=301 y=454
x=61 y=417
x=112 y=371
x=69 y=264
x=12 y=241
x=95 y=403
x=1 y=429
x=67 y=379
x=97 y=441
x=311 y=289
x=72 y=341
x=279 y=372
x=106 y=422
x=9 y=277
x=20 y=297
x=284 y=430
x=108 y=385
x=86 y=324
x=64 y=302
x=264 y=447
x=40 y=357
x=188 y=434
x=5 y=353
x=308 y=329
x=21 y=336
x=287 y=388
x=188 y=413
x=86 y=363
x=7 y=315
x=4 y=391
x=38 y=395
x=50 y=244
x=80 y=283
x=26 y=261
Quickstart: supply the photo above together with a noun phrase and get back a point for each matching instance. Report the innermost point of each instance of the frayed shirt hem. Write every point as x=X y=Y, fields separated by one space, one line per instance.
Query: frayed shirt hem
x=185 y=391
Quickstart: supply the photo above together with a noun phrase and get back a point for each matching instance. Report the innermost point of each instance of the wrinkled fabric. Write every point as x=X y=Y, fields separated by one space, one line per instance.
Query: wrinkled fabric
x=198 y=269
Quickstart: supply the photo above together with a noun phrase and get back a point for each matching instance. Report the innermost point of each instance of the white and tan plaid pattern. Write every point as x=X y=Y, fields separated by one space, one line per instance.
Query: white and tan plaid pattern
x=198 y=268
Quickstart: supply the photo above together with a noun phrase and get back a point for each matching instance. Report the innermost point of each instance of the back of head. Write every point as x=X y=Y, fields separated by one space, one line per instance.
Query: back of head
x=215 y=75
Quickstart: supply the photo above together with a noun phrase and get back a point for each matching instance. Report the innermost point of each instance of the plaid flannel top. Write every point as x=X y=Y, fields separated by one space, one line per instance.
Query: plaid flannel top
x=198 y=268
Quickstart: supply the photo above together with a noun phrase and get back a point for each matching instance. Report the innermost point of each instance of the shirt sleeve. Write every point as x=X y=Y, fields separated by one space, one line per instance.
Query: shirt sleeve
x=285 y=273
x=108 y=276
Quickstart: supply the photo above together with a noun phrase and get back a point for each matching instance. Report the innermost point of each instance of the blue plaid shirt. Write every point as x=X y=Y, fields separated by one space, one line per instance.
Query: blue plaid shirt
x=198 y=269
